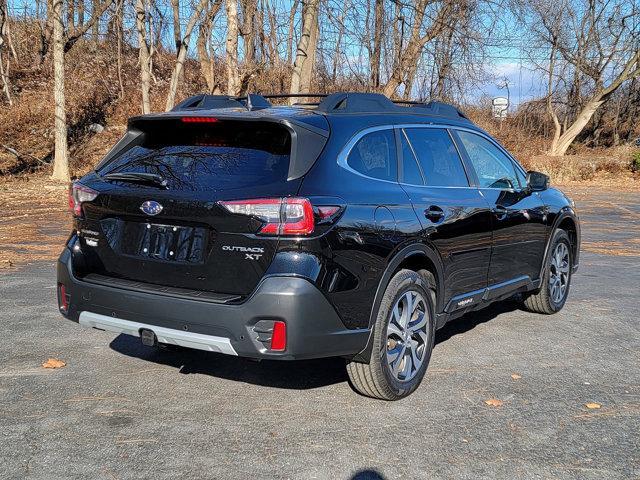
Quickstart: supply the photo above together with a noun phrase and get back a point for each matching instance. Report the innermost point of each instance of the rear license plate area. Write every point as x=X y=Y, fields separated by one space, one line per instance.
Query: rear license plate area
x=169 y=243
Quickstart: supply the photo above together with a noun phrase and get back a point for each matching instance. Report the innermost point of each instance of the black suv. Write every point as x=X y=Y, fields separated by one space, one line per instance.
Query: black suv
x=353 y=227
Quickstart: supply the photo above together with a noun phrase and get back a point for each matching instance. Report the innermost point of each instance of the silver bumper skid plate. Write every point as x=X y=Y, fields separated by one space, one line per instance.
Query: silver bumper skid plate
x=170 y=336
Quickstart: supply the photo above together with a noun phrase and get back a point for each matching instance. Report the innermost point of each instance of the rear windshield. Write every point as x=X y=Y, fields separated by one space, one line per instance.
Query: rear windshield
x=209 y=156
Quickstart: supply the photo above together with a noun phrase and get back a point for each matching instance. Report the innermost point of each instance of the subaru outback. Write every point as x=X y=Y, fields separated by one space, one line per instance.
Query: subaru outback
x=351 y=227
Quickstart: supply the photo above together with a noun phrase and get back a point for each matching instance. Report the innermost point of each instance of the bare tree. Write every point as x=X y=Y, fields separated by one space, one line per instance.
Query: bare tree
x=181 y=56
x=4 y=40
x=292 y=17
x=76 y=31
x=144 y=54
x=205 y=56
x=248 y=30
x=306 y=51
x=60 y=161
x=598 y=40
x=376 y=50
x=233 y=74
x=409 y=56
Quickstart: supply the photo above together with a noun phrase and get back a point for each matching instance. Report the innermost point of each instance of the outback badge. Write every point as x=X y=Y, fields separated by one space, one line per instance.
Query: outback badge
x=151 y=207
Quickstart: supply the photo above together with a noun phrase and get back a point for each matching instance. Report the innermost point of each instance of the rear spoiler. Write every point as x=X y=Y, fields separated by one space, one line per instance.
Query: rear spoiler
x=307 y=141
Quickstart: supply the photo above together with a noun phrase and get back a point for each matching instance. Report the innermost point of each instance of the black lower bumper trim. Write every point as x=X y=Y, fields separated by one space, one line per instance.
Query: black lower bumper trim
x=314 y=329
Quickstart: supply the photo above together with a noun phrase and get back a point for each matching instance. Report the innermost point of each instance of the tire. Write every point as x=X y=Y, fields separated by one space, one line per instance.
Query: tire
x=547 y=300
x=395 y=345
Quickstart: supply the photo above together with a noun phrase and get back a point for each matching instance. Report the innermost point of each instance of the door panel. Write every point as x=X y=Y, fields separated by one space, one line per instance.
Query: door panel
x=455 y=219
x=518 y=215
x=519 y=234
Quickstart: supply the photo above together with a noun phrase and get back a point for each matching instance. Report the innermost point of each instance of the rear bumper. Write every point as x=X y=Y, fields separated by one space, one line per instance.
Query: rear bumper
x=313 y=327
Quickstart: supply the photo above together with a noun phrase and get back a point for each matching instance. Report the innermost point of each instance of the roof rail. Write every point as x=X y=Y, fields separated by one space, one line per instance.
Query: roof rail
x=355 y=102
x=439 y=108
x=341 y=102
x=207 y=102
x=347 y=102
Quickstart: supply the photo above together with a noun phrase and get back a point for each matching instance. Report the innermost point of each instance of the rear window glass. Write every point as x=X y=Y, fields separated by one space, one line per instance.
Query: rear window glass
x=375 y=155
x=210 y=156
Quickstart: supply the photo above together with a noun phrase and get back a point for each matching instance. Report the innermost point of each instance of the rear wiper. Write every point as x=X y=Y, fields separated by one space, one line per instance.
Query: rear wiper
x=136 y=177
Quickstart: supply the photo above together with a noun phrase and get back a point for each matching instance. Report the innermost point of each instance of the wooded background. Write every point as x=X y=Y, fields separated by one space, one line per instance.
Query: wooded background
x=70 y=68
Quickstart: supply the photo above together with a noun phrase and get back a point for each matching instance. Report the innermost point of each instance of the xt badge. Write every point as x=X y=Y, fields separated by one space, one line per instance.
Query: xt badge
x=250 y=253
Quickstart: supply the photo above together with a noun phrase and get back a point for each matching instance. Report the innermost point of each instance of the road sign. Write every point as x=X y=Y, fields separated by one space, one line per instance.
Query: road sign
x=500 y=107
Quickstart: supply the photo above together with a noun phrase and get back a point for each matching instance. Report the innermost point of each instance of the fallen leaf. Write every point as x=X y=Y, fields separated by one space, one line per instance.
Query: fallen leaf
x=515 y=376
x=493 y=402
x=592 y=405
x=54 y=363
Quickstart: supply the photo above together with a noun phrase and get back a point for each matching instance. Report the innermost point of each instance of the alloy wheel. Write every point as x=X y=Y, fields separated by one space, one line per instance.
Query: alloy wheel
x=407 y=336
x=559 y=273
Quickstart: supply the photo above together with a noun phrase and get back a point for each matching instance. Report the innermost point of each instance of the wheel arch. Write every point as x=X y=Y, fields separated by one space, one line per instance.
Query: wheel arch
x=566 y=220
x=414 y=257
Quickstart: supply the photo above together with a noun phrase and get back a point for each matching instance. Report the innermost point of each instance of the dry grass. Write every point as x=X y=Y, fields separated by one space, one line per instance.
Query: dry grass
x=34 y=224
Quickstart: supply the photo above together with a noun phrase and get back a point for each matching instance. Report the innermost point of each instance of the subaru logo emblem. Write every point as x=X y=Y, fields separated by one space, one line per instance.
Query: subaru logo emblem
x=151 y=207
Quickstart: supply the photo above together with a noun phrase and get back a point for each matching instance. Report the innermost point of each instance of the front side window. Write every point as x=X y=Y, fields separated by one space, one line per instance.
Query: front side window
x=438 y=157
x=493 y=167
x=374 y=155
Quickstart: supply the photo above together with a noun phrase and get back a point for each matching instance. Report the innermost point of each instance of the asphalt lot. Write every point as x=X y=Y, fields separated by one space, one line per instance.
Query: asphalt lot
x=120 y=410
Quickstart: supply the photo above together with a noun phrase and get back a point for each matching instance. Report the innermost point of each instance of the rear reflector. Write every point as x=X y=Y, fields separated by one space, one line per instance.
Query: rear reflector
x=279 y=338
x=282 y=216
x=63 y=298
x=199 y=120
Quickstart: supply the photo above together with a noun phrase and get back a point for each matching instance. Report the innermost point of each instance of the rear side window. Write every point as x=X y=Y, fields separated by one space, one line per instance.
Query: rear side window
x=438 y=157
x=212 y=156
x=374 y=155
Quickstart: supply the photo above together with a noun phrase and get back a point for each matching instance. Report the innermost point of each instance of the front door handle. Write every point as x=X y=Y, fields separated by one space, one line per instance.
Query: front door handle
x=500 y=211
x=434 y=213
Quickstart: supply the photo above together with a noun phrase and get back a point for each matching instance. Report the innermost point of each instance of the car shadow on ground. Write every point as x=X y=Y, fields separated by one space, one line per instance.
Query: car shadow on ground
x=298 y=375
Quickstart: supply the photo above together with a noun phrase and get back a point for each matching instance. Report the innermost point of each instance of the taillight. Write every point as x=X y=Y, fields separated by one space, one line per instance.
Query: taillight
x=282 y=216
x=78 y=194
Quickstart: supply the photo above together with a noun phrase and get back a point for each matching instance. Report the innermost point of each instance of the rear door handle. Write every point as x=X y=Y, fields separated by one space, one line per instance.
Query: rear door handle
x=500 y=211
x=434 y=213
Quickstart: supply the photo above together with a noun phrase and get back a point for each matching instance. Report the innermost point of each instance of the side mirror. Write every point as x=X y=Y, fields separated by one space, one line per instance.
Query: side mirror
x=537 y=181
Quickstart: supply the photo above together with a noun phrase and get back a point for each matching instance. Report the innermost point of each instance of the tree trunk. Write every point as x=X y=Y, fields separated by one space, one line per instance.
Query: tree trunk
x=338 y=50
x=95 y=28
x=60 y=160
x=202 y=45
x=4 y=71
x=176 y=74
x=557 y=128
x=177 y=30
x=305 y=53
x=233 y=75
x=411 y=54
x=566 y=139
x=143 y=55
x=292 y=16
x=377 y=45
x=249 y=8
x=119 y=34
